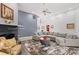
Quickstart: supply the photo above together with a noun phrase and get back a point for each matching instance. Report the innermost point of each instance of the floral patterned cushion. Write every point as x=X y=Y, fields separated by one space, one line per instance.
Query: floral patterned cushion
x=10 y=42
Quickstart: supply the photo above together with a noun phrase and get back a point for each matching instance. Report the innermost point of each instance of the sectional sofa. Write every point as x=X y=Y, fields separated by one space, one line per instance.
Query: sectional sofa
x=64 y=39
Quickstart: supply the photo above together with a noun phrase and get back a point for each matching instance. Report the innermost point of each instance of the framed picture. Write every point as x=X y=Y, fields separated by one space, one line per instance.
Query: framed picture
x=71 y=26
x=52 y=26
x=43 y=27
x=7 y=12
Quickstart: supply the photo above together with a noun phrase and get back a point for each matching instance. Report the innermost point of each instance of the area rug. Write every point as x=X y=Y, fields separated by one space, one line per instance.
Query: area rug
x=35 y=48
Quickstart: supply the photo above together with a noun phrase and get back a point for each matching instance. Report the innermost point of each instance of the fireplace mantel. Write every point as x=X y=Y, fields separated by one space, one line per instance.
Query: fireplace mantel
x=9 y=25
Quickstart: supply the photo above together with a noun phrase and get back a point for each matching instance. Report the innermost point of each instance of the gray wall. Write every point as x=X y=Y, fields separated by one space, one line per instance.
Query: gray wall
x=29 y=23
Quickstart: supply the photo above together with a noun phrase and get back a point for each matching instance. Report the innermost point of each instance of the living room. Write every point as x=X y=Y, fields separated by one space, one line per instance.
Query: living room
x=39 y=29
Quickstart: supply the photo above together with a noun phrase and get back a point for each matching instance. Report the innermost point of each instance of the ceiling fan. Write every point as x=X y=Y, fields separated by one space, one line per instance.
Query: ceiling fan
x=46 y=11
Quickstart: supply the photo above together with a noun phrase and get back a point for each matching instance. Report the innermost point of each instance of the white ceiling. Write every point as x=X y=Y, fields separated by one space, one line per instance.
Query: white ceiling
x=52 y=7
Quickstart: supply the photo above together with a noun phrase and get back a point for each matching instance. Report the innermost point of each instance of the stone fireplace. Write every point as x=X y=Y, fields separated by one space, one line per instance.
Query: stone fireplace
x=9 y=31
